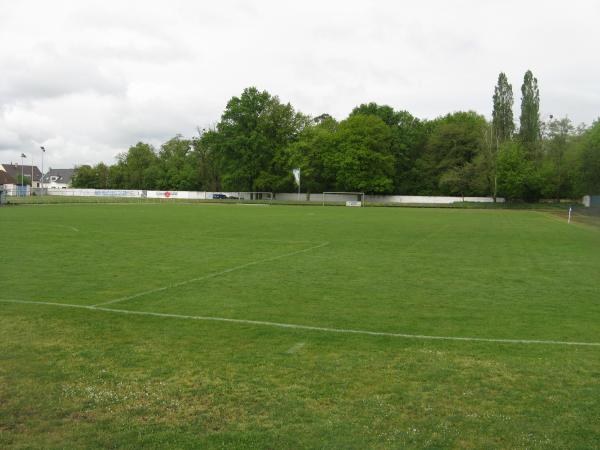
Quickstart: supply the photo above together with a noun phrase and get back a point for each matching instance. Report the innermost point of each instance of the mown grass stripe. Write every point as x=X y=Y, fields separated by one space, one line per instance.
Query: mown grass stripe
x=210 y=275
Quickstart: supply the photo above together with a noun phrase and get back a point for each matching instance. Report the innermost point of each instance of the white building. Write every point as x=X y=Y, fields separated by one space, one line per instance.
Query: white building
x=58 y=178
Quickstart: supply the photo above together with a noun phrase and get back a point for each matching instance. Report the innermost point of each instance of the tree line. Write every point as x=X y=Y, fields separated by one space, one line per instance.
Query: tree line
x=376 y=149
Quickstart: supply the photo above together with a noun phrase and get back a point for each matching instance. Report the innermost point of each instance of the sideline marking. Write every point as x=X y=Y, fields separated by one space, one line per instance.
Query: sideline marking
x=309 y=327
x=210 y=275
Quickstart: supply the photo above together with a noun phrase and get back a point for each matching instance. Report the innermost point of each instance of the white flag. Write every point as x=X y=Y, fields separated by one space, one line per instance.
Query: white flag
x=296 y=173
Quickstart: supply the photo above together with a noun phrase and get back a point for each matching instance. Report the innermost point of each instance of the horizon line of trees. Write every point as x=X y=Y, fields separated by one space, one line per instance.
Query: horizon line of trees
x=376 y=149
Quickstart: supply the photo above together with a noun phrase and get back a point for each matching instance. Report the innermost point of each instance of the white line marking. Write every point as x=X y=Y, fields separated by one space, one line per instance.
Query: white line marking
x=55 y=225
x=294 y=348
x=210 y=275
x=69 y=227
x=309 y=327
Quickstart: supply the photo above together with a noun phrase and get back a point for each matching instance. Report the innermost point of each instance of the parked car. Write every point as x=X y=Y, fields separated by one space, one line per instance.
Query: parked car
x=219 y=196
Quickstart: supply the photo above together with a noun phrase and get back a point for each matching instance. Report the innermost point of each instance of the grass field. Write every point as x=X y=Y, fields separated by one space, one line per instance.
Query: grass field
x=238 y=326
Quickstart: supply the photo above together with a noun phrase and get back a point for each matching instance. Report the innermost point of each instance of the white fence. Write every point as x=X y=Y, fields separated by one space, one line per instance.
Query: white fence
x=25 y=191
x=94 y=192
x=189 y=195
x=406 y=199
x=285 y=196
x=422 y=199
x=201 y=195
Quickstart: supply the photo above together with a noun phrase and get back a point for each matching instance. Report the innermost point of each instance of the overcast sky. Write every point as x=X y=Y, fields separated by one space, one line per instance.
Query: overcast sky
x=87 y=79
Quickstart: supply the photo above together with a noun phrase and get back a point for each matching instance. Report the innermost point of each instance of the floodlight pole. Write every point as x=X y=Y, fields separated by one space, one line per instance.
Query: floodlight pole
x=42 y=180
x=22 y=156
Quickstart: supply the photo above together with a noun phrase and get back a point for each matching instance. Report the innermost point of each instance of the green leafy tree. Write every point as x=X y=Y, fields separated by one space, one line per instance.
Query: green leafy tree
x=589 y=161
x=176 y=165
x=311 y=152
x=139 y=167
x=517 y=176
x=253 y=129
x=502 y=114
x=454 y=141
x=97 y=177
x=409 y=138
x=84 y=177
x=384 y=112
x=117 y=176
x=408 y=142
x=102 y=176
x=203 y=156
x=363 y=160
x=460 y=180
x=558 y=137
x=486 y=163
x=529 y=131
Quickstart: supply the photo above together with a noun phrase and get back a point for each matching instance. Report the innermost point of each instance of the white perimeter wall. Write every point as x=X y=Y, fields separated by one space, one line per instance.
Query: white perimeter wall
x=286 y=196
x=190 y=195
x=428 y=199
x=416 y=199
x=94 y=192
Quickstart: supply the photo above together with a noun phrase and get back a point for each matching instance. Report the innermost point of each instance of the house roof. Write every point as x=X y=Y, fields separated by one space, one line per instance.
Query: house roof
x=62 y=175
x=5 y=178
x=14 y=170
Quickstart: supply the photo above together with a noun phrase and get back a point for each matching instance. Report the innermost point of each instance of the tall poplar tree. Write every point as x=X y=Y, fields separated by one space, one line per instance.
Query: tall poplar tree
x=529 y=131
x=502 y=115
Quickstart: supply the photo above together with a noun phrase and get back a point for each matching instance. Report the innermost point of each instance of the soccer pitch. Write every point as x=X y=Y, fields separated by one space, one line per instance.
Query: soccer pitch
x=239 y=326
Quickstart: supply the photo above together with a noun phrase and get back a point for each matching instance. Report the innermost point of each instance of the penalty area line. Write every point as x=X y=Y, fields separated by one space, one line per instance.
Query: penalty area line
x=309 y=327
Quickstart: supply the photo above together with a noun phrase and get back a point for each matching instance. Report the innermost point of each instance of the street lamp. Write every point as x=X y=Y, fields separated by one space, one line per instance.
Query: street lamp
x=43 y=151
x=22 y=178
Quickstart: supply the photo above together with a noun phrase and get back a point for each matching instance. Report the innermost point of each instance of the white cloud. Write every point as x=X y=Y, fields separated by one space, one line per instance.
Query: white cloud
x=88 y=79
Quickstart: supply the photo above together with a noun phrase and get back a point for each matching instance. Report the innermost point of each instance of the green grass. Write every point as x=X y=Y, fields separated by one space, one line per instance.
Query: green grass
x=84 y=378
